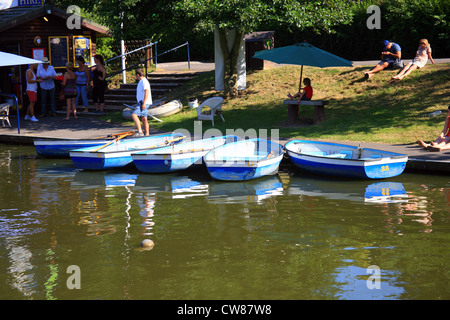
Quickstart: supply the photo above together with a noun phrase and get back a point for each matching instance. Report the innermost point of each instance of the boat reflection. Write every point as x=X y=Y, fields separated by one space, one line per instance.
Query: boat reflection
x=351 y=190
x=96 y=179
x=180 y=186
x=252 y=191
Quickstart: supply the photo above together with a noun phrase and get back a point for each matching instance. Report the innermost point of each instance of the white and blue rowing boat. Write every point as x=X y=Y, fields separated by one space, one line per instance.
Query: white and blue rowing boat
x=117 y=153
x=244 y=160
x=177 y=157
x=335 y=159
x=62 y=147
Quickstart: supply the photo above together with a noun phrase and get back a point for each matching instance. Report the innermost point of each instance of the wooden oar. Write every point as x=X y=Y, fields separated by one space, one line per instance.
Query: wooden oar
x=122 y=133
x=111 y=142
x=189 y=151
x=166 y=143
x=119 y=134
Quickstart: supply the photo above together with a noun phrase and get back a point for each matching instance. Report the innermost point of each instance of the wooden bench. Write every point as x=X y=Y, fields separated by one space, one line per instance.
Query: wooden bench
x=293 y=108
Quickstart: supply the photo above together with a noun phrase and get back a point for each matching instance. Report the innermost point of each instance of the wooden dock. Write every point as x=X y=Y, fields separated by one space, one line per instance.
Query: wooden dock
x=91 y=127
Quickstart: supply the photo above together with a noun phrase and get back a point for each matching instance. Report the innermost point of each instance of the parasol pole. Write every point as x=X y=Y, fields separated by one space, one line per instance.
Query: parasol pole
x=300 y=84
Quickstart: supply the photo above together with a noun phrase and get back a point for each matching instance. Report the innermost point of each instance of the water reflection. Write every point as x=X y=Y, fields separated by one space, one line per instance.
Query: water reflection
x=212 y=237
x=350 y=190
x=255 y=191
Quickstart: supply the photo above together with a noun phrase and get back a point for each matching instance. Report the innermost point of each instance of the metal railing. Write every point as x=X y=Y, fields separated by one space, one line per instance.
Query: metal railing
x=144 y=62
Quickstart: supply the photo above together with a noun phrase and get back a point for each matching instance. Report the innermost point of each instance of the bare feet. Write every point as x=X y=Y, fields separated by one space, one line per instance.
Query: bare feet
x=368 y=75
x=423 y=144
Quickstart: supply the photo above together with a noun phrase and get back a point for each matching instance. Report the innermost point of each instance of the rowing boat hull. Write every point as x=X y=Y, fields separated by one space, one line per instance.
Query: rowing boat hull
x=344 y=160
x=61 y=148
x=244 y=160
x=161 y=111
x=118 y=154
x=182 y=156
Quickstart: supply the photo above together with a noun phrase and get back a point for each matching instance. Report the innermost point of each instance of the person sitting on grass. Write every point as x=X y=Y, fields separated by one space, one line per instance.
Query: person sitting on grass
x=443 y=141
x=303 y=94
x=391 y=53
x=422 y=55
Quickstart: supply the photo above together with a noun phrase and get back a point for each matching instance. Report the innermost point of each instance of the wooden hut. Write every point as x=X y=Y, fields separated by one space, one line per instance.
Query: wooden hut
x=36 y=30
x=257 y=41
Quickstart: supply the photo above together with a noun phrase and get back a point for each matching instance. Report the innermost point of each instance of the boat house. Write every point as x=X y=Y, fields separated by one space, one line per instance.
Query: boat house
x=36 y=30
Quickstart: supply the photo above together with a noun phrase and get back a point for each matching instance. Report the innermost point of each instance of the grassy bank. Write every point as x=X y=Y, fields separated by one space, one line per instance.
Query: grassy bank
x=359 y=109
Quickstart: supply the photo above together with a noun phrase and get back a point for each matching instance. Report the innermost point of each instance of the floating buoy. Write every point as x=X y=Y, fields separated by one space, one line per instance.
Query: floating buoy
x=147 y=243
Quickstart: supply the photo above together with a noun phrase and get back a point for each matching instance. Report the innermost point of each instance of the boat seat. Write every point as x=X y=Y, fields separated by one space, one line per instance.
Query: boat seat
x=214 y=105
x=4 y=113
x=348 y=153
x=314 y=153
x=336 y=155
x=374 y=156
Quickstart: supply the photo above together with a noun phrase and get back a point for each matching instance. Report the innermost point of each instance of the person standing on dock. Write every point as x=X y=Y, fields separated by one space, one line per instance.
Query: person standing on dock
x=48 y=76
x=32 y=88
x=99 y=83
x=144 y=100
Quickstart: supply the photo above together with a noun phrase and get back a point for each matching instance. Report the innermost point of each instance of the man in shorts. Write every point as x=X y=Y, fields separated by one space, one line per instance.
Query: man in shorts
x=391 y=52
x=144 y=100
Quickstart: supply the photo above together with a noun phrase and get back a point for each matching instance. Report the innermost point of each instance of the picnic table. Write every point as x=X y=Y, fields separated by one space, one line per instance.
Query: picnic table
x=293 y=109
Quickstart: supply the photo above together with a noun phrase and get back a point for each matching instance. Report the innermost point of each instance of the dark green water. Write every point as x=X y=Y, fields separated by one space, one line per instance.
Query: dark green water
x=290 y=236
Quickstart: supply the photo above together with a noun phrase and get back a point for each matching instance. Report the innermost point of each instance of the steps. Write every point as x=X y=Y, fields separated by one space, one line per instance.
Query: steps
x=160 y=84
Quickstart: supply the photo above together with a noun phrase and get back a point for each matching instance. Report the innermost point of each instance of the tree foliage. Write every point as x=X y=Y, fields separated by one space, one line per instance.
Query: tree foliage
x=336 y=25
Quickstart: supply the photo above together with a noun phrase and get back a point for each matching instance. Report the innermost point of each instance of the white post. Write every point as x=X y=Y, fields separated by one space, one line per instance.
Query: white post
x=122 y=52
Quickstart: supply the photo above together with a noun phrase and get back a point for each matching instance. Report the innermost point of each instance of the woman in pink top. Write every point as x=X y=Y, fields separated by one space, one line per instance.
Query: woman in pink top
x=422 y=55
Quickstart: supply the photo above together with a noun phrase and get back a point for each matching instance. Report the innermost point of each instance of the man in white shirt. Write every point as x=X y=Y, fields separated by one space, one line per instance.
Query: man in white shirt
x=144 y=100
x=47 y=73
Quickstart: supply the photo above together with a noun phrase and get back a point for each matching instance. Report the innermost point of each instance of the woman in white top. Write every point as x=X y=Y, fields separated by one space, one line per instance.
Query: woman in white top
x=32 y=87
x=422 y=55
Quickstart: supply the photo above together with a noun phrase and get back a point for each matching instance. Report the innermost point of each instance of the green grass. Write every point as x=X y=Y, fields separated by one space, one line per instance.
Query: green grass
x=359 y=109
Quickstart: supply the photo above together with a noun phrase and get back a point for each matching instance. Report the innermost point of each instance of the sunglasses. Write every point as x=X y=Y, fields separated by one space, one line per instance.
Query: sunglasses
x=422 y=43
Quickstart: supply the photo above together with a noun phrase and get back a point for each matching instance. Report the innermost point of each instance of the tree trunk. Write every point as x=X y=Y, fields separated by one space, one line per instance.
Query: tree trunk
x=230 y=57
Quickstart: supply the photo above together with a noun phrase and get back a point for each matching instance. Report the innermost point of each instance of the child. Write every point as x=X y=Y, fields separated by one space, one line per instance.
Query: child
x=443 y=141
x=304 y=94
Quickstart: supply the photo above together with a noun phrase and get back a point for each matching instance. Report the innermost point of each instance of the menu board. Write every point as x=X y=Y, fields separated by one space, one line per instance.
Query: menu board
x=58 y=51
x=82 y=47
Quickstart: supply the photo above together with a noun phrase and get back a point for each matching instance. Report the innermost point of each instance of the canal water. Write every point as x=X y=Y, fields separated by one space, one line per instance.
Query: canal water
x=66 y=233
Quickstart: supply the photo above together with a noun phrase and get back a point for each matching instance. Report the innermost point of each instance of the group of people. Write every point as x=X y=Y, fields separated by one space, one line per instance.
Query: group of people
x=75 y=84
x=391 y=57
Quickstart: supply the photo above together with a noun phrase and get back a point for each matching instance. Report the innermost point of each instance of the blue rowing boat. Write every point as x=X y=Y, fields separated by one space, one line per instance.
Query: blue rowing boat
x=116 y=154
x=244 y=160
x=62 y=147
x=178 y=157
x=343 y=160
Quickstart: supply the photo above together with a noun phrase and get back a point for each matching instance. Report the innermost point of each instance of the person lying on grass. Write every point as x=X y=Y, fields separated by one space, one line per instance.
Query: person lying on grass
x=443 y=141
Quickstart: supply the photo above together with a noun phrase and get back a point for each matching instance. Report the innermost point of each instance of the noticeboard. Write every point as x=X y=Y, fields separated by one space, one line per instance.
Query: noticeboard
x=82 y=47
x=58 y=51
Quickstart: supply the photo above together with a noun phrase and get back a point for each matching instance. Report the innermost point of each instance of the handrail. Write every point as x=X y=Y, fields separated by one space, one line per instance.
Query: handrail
x=151 y=58
x=133 y=51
